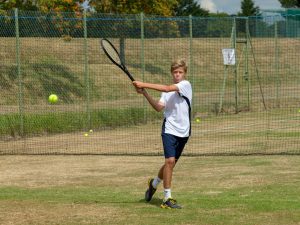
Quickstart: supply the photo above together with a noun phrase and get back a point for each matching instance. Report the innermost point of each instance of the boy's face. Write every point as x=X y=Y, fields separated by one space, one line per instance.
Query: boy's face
x=178 y=75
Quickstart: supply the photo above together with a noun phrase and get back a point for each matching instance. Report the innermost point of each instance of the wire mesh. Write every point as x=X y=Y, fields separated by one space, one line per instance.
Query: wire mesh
x=249 y=108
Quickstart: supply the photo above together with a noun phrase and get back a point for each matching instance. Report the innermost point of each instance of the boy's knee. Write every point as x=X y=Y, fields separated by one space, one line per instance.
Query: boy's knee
x=170 y=162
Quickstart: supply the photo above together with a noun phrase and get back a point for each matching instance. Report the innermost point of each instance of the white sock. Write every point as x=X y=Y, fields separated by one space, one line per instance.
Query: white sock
x=156 y=182
x=167 y=193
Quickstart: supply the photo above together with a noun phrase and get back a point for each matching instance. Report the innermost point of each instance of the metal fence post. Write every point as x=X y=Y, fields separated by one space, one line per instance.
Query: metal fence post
x=235 y=69
x=191 y=57
x=20 y=78
x=86 y=71
x=277 y=64
x=143 y=59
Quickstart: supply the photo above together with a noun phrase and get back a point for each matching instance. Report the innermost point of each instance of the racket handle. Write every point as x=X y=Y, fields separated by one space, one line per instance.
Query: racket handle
x=129 y=75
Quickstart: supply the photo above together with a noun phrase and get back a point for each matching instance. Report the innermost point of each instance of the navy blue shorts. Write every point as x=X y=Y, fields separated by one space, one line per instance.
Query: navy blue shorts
x=173 y=145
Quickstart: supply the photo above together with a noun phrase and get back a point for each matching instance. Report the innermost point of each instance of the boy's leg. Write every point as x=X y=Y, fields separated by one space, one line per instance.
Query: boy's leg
x=168 y=201
x=168 y=172
x=169 y=143
x=152 y=184
x=173 y=147
x=161 y=172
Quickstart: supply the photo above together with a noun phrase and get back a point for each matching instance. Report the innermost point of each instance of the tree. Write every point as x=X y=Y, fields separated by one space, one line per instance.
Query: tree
x=20 y=4
x=189 y=7
x=248 y=8
x=59 y=5
x=290 y=3
x=151 y=7
x=219 y=14
x=43 y=5
x=61 y=11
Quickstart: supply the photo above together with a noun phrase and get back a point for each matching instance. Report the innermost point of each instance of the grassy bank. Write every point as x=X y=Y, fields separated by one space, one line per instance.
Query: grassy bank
x=65 y=122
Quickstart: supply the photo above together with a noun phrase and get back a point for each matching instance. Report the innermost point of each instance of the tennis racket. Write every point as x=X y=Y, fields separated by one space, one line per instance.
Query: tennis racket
x=112 y=53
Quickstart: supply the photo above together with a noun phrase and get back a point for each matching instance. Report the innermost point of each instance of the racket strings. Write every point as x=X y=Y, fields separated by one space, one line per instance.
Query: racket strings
x=112 y=52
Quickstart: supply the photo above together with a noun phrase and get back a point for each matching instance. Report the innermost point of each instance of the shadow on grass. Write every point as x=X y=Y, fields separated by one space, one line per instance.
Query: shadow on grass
x=44 y=78
x=154 y=201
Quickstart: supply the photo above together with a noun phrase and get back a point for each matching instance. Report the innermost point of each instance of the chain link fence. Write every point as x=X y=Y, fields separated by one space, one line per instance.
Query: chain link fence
x=251 y=107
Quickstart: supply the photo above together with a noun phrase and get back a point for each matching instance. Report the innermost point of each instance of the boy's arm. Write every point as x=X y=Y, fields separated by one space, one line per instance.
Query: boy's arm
x=157 y=105
x=157 y=87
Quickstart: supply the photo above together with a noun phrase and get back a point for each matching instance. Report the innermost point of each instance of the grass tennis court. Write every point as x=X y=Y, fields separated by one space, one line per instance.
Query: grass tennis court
x=110 y=190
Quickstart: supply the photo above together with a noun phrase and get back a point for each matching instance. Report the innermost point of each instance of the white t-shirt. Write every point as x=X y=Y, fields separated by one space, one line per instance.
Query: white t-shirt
x=177 y=121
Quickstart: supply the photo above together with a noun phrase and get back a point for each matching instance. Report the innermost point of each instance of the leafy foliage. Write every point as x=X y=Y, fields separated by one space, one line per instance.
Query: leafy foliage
x=59 y=5
x=155 y=7
x=248 y=8
x=20 y=4
x=290 y=3
x=150 y=7
x=190 y=7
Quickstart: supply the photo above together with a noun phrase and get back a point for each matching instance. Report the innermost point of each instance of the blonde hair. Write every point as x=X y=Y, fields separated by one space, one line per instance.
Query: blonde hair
x=179 y=63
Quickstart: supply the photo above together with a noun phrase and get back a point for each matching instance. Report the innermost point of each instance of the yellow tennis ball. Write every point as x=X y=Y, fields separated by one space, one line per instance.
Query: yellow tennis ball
x=91 y=131
x=197 y=120
x=299 y=110
x=53 y=98
x=86 y=134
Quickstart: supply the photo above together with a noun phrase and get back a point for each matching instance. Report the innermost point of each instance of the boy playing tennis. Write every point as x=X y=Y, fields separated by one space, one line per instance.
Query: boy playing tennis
x=176 y=129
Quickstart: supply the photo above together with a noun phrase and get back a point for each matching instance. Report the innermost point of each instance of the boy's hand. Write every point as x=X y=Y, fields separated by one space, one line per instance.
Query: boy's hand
x=138 y=84
x=140 y=90
x=139 y=87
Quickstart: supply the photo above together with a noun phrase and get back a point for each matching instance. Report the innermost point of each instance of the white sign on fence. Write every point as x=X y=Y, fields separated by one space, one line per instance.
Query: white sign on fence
x=228 y=56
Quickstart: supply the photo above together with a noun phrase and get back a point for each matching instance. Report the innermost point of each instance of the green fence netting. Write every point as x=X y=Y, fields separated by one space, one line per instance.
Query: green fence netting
x=251 y=107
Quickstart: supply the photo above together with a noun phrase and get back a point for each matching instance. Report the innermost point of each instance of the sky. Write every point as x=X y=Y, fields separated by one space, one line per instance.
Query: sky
x=234 y=6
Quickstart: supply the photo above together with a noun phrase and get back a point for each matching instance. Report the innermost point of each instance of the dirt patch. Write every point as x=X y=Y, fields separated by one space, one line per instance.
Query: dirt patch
x=27 y=212
x=47 y=171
